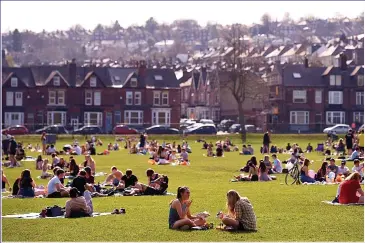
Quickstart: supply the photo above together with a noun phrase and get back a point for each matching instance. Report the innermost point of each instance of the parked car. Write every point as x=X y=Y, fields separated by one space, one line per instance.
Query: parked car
x=158 y=129
x=123 y=129
x=338 y=129
x=88 y=130
x=206 y=121
x=16 y=130
x=53 y=129
x=184 y=123
x=201 y=129
x=235 y=128
x=224 y=125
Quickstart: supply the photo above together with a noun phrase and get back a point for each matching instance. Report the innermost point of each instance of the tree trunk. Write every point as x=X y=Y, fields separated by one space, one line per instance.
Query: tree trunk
x=242 y=122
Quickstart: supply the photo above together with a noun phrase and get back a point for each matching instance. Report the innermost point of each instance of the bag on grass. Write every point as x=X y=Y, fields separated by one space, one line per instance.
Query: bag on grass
x=55 y=211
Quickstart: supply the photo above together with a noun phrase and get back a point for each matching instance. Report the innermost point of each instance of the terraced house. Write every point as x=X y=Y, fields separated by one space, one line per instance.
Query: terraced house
x=74 y=96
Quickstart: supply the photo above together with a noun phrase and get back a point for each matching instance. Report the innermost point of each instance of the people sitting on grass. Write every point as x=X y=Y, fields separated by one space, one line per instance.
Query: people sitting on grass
x=129 y=179
x=219 y=151
x=350 y=191
x=358 y=167
x=273 y=149
x=61 y=163
x=179 y=214
x=184 y=155
x=26 y=184
x=340 y=147
x=89 y=161
x=355 y=154
x=245 y=150
x=80 y=183
x=39 y=163
x=263 y=172
x=210 y=151
x=151 y=176
x=278 y=168
x=304 y=177
x=253 y=171
x=80 y=205
x=115 y=177
x=55 y=188
x=268 y=164
x=156 y=187
x=51 y=150
x=309 y=148
x=4 y=182
x=55 y=160
x=45 y=168
x=333 y=167
x=322 y=172
x=90 y=179
x=241 y=215
x=343 y=169
x=133 y=149
x=74 y=168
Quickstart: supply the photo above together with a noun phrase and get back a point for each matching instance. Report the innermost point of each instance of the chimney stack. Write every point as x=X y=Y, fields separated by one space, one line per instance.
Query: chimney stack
x=72 y=72
x=343 y=61
x=3 y=54
x=306 y=62
x=141 y=68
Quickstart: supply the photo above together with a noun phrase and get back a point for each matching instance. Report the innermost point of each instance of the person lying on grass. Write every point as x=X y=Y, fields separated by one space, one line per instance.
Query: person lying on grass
x=240 y=213
x=55 y=189
x=157 y=187
x=304 y=177
x=115 y=177
x=350 y=191
x=79 y=206
x=179 y=215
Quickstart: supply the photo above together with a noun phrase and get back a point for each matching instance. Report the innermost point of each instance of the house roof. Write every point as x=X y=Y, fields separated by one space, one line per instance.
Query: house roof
x=24 y=74
x=299 y=75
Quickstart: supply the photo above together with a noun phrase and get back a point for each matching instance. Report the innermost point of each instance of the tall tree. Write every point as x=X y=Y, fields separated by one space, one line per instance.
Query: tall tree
x=266 y=22
x=151 y=25
x=287 y=19
x=116 y=26
x=17 y=41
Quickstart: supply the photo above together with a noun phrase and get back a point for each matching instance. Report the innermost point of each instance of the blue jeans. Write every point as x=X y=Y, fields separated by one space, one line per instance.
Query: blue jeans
x=304 y=178
x=26 y=192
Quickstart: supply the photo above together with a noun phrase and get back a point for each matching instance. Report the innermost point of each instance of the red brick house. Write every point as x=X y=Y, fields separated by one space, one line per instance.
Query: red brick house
x=75 y=96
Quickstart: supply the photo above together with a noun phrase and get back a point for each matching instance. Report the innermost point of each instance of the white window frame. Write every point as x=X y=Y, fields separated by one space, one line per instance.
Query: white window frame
x=157 y=96
x=92 y=81
x=56 y=81
x=330 y=117
x=129 y=98
x=294 y=115
x=359 y=98
x=61 y=97
x=335 y=80
x=9 y=98
x=97 y=98
x=299 y=95
x=134 y=82
x=14 y=82
x=52 y=96
x=318 y=96
x=360 y=115
x=208 y=97
x=155 y=117
x=360 y=80
x=18 y=98
x=99 y=118
x=165 y=98
x=128 y=116
x=137 y=98
x=335 y=97
x=88 y=100
x=50 y=117
x=8 y=119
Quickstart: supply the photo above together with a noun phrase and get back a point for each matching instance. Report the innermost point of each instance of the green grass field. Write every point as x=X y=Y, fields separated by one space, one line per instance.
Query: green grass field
x=284 y=213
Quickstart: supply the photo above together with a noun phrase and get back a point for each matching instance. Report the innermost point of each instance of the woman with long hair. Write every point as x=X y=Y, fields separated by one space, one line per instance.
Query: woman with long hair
x=304 y=177
x=26 y=184
x=322 y=172
x=264 y=176
x=240 y=213
x=44 y=143
x=350 y=190
x=179 y=216
x=74 y=168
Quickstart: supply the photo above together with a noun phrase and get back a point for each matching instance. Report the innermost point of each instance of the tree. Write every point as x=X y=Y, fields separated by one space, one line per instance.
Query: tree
x=116 y=26
x=287 y=19
x=17 y=41
x=266 y=21
x=151 y=25
x=150 y=43
x=242 y=82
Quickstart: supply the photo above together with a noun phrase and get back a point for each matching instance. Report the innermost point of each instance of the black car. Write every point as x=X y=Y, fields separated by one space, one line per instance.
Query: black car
x=201 y=129
x=88 y=130
x=53 y=129
x=158 y=129
x=224 y=125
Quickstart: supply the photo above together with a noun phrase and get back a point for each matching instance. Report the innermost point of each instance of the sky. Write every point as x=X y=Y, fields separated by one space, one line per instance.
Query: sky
x=61 y=15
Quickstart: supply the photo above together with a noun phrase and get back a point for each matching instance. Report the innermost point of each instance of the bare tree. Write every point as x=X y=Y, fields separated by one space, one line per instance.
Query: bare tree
x=243 y=82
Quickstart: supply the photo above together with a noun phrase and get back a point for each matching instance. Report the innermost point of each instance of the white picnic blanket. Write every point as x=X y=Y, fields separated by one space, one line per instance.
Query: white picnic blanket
x=36 y=216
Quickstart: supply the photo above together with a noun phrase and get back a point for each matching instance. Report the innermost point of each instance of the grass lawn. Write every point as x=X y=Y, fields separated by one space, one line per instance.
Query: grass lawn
x=284 y=213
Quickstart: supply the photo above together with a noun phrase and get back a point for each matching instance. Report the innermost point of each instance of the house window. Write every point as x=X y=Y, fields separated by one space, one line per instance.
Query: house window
x=186 y=94
x=299 y=117
x=137 y=98
x=299 y=96
x=359 y=117
x=93 y=82
x=9 y=98
x=161 y=117
x=335 y=117
x=129 y=100
x=88 y=97
x=18 y=98
x=117 y=117
x=60 y=97
x=14 y=82
x=56 y=81
x=297 y=75
x=56 y=117
x=335 y=97
x=360 y=80
x=13 y=118
x=165 y=98
x=318 y=98
x=97 y=98
x=156 y=97
x=201 y=97
x=52 y=97
x=359 y=98
x=158 y=77
x=216 y=99
x=133 y=82
x=133 y=117
x=215 y=115
x=93 y=118
x=335 y=80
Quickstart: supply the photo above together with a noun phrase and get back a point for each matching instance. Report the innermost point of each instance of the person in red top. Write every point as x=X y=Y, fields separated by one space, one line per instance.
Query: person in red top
x=349 y=188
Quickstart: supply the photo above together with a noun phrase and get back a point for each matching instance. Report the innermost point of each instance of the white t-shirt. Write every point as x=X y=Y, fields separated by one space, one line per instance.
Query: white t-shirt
x=343 y=170
x=77 y=150
x=51 y=150
x=277 y=166
x=51 y=188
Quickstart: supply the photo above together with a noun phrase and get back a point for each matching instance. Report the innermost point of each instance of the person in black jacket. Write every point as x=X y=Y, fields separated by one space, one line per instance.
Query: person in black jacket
x=266 y=143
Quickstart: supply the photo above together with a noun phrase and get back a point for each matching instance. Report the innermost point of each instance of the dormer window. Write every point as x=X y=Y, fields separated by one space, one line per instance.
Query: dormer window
x=93 y=82
x=14 y=82
x=335 y=80
x=297 y=75
x=56 y=81
x=133 y=82
x=360 y=80
x=158 y=77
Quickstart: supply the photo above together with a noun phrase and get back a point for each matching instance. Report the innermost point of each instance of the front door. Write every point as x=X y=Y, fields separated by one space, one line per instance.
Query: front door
x=318 y=121
x=75 y=123
x=108 y=122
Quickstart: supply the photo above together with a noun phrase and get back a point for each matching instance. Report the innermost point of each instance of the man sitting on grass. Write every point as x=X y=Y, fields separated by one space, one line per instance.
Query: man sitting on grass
x=129 y=179
x=55 y=189
x=115 y=177
x=79 y=206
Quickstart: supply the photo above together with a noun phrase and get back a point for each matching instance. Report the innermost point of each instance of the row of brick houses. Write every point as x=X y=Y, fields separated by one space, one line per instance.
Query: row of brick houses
x=75 y=96
x=306 y=98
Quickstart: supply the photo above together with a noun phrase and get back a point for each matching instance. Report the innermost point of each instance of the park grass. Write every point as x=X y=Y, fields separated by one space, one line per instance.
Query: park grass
x=284 y=213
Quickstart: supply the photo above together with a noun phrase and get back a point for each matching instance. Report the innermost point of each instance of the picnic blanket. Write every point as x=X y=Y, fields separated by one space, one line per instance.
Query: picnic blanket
x=36 y=216
x=28 y=159
x=339 y=204
x=166 y=194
